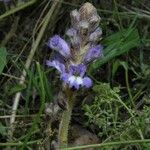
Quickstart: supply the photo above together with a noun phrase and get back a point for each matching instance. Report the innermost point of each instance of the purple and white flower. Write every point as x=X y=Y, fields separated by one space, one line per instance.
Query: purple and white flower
x=93 y=53
x=75 y=77
x=60 y=45
x=56 y=64
x=81 y=50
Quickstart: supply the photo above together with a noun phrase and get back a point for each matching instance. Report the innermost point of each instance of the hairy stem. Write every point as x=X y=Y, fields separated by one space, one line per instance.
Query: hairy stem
x=65 y=121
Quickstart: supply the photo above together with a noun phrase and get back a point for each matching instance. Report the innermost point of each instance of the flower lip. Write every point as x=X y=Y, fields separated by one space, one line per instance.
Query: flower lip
x=87 y=82
x=75 y=77
x=78 y=70
x=54 y=41
x=56 y=64
x=93 y=53
x=76 y=81
x=59 y=45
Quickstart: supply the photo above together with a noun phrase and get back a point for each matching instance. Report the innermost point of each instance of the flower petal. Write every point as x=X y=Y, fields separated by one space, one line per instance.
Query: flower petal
x=56 y=64
x=71 y=79
x=93 y=53
x=60 y=45
x=79 y=80
x=75 y=82
x=79 y=69
x=64 y=77
x=72 y=82
x=87 y=82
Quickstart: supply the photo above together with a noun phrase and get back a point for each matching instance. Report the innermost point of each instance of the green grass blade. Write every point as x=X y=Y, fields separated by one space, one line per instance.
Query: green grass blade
x=117 y=44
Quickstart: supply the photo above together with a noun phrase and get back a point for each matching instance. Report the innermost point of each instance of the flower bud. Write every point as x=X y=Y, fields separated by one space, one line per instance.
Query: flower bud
x=94 y=22
x=94 y=36
x=86 y=11
x=83 y=27
x=60 y=45
x=74 y=38
x=75 y=17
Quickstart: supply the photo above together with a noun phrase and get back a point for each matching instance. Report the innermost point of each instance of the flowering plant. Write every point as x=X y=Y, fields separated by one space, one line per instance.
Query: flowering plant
x=72 y=58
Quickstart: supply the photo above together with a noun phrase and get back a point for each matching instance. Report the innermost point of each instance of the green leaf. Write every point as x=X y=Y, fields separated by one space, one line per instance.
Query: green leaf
x=16 y=88
x=124 y=64
x=115 y=67
x=2 y=130
x=3 y=54
x=117 y=44
x=116 y=64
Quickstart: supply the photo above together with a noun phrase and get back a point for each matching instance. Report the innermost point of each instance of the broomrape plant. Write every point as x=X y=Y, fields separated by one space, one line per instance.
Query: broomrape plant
x=72 y=58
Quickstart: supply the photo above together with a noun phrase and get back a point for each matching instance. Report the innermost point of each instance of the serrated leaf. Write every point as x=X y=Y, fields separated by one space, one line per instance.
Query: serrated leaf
x=3 y=54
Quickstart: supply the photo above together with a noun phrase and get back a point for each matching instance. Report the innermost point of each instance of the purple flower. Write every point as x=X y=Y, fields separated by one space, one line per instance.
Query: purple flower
x=72 y=58
x=60 y=45
x=87 y=82
x=56 y=64
x=77 y=69
x=93 y=53
x=75 y=77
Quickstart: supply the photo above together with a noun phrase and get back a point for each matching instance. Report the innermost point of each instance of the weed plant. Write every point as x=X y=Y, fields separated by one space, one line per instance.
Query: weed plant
x=116 y=109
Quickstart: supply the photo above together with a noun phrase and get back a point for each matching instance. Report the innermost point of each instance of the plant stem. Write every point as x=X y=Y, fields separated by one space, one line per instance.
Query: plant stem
x=64 y=124
x=128 y=87
x=19 y=143
x=108 y=144
x=132 y=115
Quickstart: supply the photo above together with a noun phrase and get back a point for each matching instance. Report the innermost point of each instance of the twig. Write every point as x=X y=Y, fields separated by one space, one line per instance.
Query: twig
x=109 y=144
x=16 y=9
x=21 y=116
x=30 y=57
x=10 y=76
x=11 y=32
x=19 y=143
